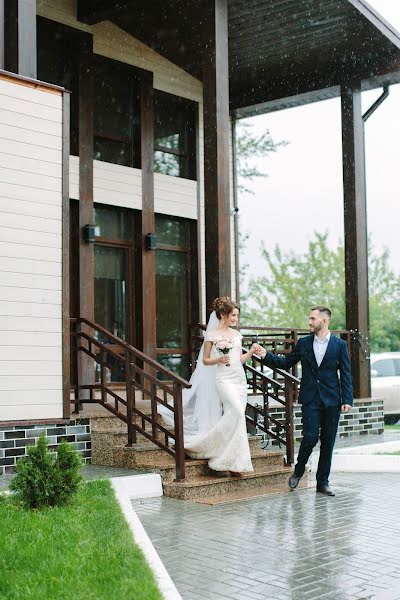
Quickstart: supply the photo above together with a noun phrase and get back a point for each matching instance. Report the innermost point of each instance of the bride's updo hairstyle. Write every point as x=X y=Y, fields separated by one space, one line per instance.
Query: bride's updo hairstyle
x=223 y=306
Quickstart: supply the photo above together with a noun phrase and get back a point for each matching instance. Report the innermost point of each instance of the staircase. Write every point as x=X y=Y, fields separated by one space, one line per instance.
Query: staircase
x=201 y=484
x=128 y=432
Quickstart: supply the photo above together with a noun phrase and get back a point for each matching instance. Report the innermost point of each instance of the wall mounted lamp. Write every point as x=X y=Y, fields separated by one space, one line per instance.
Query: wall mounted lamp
x=151 y=241
x=89 y=234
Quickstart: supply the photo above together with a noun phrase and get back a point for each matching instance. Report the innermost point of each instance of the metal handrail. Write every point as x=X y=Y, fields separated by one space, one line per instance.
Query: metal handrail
x=259 y=417
x=138 y=372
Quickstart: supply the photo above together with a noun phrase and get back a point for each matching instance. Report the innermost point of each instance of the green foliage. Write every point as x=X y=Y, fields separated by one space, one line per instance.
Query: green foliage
x=46 y=478
x=294 y=283
x=82 y=550
x=248 y=147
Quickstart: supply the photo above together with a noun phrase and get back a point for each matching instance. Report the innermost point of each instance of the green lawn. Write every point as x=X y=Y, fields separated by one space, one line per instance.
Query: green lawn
x=393 y=427
x=83 y=551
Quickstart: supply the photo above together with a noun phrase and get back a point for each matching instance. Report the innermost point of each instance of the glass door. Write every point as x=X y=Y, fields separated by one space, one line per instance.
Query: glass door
x=112 y=290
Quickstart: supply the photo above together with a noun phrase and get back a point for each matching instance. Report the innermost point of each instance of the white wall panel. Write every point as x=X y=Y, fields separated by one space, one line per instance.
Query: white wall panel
x=24 y=250
x=20 y=412
x=37 y=398
x=30 y=252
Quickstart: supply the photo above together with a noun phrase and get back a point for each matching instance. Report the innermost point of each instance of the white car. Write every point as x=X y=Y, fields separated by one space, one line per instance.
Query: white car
x=385 y=383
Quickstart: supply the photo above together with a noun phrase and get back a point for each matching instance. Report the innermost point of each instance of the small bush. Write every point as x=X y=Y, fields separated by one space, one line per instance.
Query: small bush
x=45 y=478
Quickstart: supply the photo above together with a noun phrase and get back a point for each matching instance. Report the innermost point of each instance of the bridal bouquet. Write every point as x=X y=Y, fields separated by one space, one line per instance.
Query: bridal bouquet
x=223 y=347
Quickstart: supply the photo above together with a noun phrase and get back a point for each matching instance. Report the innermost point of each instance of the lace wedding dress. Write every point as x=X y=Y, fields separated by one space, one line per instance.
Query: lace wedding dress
x=225 y=445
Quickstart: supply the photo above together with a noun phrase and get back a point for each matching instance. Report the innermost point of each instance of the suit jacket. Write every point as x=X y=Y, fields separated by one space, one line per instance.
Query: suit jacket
x=322 y=381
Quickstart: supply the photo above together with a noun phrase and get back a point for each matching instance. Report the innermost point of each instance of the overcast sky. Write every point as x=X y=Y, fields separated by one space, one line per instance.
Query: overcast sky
x=303 y=192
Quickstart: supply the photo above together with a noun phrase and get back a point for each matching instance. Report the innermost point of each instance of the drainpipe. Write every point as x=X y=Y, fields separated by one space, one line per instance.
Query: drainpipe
x=377 y=103
x=235 y=211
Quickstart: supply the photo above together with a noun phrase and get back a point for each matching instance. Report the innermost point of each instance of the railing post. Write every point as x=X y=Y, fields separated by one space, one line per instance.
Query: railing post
x=179 y=440
x=130 y=401
x=78 y=367
x=103 y=377
x=289 y=422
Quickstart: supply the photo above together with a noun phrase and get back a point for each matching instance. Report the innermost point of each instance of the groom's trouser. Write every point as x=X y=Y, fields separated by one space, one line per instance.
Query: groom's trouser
x=319 y=421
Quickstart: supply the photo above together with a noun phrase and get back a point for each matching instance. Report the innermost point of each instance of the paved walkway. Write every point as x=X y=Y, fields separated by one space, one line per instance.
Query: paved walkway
x=294 y=546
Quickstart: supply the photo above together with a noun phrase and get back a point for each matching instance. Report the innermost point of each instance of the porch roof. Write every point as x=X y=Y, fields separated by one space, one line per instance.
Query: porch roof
x=281 y=52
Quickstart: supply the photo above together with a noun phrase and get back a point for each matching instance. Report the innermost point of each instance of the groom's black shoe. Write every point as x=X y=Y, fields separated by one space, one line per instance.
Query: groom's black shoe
x=325 y=489
x=293 y=481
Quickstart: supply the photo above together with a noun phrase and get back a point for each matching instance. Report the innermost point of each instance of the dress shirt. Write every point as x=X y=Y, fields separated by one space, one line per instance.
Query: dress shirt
x=320 y=347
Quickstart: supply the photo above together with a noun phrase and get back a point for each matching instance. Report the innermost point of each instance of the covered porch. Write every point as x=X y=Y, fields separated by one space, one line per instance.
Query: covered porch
x=242 y=59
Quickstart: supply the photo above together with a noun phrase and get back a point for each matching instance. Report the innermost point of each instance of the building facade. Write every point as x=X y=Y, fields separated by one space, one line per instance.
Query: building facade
x=117 y=176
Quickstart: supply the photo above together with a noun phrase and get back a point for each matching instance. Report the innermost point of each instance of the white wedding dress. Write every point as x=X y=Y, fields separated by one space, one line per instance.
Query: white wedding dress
x=225 y=445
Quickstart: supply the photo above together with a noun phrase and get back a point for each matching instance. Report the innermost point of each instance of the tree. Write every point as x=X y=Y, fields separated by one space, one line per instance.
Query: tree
x=294 y=283
x=250 y=146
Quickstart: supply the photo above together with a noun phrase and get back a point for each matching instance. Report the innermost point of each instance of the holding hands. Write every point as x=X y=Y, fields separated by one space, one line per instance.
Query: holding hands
x=257 y=350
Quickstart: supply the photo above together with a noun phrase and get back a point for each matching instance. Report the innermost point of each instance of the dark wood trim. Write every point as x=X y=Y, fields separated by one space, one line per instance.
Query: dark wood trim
x=86 y=208
x=356 y=241
x=2 y=34
x=148 y=218
x=20 y=55
x=183 y=351
x=65 y=257
x=167 y=150
x=172 y=248
x=113 y=138
x=216 y=151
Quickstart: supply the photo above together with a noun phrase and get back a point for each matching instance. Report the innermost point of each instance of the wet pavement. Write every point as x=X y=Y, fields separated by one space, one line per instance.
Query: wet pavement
x=293 y=546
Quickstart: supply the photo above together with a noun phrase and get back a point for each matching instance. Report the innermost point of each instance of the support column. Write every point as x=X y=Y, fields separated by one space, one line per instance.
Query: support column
x=2 y=34
x=216 y=151
x=20 y=52
x=148 y=220
x=86 y=209
x=356 y=238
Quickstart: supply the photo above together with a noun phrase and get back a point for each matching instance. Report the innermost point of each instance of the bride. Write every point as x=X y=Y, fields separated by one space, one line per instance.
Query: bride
x=214 y=407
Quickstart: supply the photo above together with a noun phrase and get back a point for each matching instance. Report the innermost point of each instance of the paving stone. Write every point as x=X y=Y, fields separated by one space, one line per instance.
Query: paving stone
x=298 y=546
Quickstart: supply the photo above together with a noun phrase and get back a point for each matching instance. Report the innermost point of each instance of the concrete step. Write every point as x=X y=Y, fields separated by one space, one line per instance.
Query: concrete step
x=249 y=494
x=205 y=487
x=156 y=460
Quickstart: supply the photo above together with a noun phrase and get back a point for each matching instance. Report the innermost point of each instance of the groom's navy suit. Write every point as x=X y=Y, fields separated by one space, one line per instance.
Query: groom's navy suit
x=322 y=392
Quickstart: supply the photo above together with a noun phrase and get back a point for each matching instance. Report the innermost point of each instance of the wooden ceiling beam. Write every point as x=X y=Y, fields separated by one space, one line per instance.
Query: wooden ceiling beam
x=94 y=11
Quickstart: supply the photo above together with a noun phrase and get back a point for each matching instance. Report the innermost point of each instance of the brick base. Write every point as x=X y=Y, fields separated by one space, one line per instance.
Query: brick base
x=365 y=418
x=14 y=440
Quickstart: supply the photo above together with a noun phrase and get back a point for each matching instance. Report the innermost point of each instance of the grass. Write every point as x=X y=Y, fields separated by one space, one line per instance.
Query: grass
x=395 y=453
x=393 y=427
x=83 y=551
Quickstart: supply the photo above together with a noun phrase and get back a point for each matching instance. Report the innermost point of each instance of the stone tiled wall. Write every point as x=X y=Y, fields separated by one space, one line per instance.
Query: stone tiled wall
x=366 y=417
x=14 y=440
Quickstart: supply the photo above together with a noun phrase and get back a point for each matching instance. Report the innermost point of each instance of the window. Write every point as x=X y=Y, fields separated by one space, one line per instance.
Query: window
x=175 y=292
x=175 y=136
x=116 y=114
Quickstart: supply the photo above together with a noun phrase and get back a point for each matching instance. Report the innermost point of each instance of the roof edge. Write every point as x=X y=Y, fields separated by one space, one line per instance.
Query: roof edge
x=376 y=19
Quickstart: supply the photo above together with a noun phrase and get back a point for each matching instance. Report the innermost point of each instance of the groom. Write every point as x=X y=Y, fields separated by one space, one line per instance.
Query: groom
x=323 y=394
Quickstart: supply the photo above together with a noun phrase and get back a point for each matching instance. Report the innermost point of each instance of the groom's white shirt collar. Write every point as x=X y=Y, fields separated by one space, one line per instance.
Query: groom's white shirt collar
x=326 y=338
x=320 y=347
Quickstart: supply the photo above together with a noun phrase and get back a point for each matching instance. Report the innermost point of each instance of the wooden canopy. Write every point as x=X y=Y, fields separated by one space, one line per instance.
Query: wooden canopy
x=281 y=52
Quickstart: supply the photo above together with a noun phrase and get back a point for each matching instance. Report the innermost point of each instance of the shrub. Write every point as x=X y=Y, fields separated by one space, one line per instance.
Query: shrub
x=45 y=478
